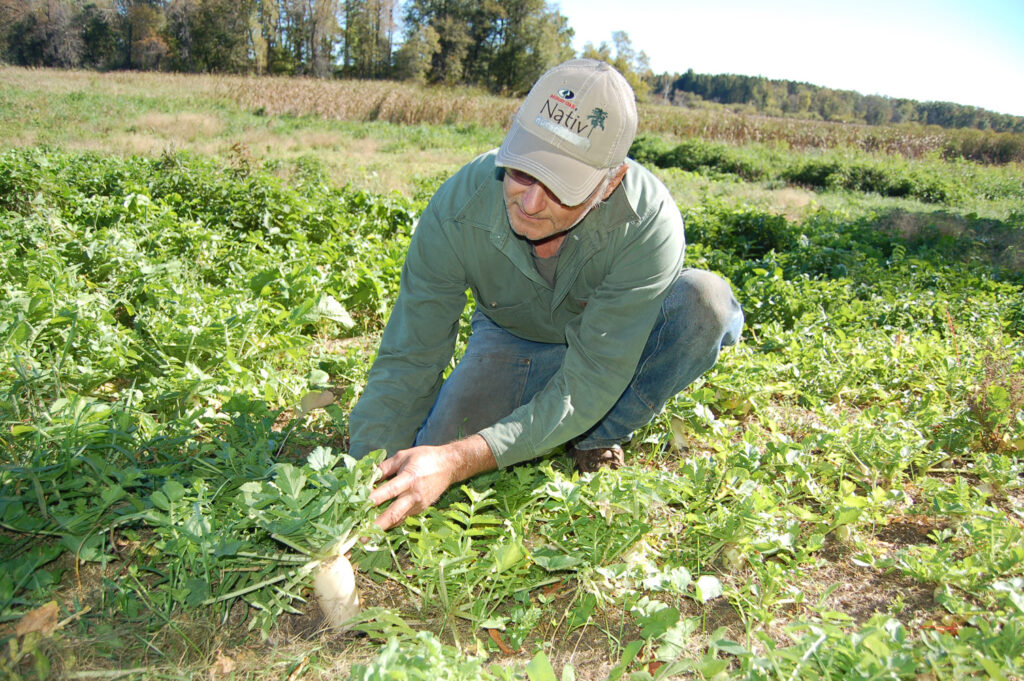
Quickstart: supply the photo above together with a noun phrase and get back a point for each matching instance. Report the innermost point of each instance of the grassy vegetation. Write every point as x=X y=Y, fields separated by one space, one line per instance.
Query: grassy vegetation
x=840 y=497
x=968 y=187
x=150 y=114
x=283 y=118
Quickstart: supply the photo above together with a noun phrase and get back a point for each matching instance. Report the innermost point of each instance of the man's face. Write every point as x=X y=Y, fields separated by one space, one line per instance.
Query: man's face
x=535 y=213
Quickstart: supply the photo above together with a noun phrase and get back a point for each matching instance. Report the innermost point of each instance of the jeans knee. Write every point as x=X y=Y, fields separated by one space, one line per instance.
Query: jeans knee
x=707 y=297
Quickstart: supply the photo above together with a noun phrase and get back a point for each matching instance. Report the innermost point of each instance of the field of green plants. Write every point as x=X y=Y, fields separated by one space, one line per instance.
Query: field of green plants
x=842 y=497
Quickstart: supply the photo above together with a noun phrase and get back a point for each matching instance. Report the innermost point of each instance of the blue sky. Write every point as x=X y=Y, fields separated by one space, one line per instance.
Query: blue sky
x=964 y=51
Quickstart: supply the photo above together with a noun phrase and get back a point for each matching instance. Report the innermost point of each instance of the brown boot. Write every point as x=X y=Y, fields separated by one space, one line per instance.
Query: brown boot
x=590 y=460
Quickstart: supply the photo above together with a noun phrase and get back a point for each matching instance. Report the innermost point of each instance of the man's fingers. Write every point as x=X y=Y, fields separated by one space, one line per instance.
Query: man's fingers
x=389 y=466
x=395 y=513
x=391 y=489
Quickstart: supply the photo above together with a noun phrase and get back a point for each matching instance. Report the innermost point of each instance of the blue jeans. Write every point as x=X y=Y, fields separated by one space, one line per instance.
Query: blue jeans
x=500 y=371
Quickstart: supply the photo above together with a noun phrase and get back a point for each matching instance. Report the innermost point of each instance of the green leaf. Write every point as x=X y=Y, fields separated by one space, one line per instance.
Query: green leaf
x=876 y=644
x=1011 y=588
x=304 y=312
x=198 y=591
x=540 y=669
x=160 y=500
x=329 y=308
x=731 y=647
x=654 y=618
x=226 y=548
x=290 y=480
x=112 y=494
x=197 y=526
x=675 y=580
x=318 y=377
x=553 y=561
x=846 y=515
x=628 y=655
x=40 y=664
x=321 y=459
x=994 y=669
x=676 y=640
x=999 y=398
x=580 y=614
x=494 y=622
x=174 y=490
x=258 y=283
x=507 y=556
x=89 y=549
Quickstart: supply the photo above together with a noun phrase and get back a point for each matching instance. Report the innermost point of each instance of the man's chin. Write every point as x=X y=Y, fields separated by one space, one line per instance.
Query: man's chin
x=530 y=232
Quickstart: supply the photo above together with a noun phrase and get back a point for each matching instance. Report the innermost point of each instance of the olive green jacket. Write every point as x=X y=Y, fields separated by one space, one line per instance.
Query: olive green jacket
x=613 y=272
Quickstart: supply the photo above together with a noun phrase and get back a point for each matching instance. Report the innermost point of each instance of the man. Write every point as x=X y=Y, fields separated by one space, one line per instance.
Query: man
x=586 y=322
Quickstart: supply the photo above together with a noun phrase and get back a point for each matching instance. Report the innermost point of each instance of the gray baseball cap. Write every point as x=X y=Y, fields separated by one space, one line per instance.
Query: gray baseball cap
x=578 y=120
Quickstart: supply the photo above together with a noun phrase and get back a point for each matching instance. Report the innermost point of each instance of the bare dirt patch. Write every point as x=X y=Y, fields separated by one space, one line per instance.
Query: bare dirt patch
x=865 y=591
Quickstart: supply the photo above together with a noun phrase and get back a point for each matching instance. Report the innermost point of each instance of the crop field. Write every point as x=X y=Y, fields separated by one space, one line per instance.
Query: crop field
x=841 y=497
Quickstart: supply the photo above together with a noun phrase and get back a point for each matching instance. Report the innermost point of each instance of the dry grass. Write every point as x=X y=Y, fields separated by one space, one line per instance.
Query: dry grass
x=351 y=100
x=407 y=103
x=149 y=114
x=189 y=126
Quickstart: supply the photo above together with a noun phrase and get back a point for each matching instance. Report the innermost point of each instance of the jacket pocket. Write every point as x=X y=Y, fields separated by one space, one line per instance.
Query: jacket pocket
x=517 y=319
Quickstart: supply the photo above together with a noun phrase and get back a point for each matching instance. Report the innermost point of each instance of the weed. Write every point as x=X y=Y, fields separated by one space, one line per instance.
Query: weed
x=997 y=401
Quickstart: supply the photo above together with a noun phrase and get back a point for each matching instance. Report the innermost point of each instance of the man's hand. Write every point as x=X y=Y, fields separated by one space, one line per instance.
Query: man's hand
x=417 y=477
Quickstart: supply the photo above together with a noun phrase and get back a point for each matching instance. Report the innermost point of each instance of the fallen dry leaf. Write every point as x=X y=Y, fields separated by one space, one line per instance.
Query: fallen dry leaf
x=43 y=619
x=496 y=637
x=222 y=666
x=298 y=670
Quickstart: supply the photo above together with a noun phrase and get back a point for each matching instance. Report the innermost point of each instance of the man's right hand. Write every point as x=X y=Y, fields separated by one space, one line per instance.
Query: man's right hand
x=415 y=478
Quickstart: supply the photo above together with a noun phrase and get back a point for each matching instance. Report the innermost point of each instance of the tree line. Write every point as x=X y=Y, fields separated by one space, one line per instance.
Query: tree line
x=803 y=100
x=501 y=45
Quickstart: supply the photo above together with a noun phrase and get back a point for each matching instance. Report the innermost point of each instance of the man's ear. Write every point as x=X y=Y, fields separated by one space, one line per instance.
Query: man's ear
x=616 y=181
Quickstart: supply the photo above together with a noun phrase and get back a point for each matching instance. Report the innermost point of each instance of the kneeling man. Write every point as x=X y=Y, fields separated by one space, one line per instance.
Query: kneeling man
x=586 y=321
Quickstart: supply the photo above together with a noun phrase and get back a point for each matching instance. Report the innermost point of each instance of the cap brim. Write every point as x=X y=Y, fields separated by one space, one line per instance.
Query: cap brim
x=570 y=180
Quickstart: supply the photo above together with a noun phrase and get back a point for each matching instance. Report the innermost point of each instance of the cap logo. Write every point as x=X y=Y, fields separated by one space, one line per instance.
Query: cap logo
x=559 y=117
x=566 y=94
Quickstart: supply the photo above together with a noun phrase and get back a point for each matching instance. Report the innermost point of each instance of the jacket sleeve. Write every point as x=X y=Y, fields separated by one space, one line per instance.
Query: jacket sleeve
x=604 y=343
x=417 y=344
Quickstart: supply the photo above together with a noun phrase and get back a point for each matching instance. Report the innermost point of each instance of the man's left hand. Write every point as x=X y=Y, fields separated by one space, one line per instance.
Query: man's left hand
x=415 y=478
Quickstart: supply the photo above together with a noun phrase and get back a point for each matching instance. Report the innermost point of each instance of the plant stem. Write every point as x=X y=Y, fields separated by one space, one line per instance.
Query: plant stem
x=247 y=589
x=107 y=673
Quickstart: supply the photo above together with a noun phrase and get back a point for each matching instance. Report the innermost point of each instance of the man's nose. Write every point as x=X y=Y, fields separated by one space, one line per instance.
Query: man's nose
x=534 y=198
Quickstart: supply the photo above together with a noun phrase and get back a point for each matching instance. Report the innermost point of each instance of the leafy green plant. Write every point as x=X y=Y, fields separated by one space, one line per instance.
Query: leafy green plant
x=163 y=318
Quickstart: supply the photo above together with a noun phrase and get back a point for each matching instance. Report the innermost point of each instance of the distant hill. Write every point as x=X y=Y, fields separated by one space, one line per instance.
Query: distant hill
x=803 y=100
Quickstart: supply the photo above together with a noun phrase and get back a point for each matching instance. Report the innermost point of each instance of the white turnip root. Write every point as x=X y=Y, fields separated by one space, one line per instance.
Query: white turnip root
x=335 y=587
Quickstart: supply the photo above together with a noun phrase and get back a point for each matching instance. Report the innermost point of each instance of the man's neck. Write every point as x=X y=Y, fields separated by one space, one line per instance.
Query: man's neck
x=545 y=248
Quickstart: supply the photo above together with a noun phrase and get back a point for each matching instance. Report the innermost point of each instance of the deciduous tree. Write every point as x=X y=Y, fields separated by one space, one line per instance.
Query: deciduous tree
x=635 y=66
